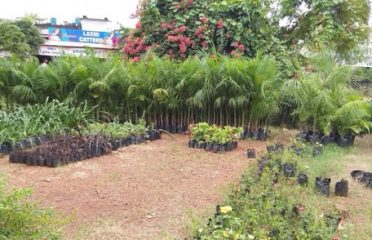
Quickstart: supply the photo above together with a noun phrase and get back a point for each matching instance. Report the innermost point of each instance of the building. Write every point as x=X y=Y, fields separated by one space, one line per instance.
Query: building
x=75 y=38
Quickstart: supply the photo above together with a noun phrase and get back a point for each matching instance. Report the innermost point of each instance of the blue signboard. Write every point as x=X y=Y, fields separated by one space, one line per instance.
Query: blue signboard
x=78 y=35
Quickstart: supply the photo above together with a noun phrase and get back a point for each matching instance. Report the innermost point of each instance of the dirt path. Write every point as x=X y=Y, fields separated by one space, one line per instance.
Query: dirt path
x=140 y=192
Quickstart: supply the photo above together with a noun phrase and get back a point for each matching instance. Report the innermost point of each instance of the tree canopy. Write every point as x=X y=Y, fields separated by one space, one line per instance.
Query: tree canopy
x=20 y=37
x=179 y=28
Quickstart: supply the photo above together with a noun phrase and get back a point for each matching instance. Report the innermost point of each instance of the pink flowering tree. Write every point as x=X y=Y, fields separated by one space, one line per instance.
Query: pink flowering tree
x=180 y=28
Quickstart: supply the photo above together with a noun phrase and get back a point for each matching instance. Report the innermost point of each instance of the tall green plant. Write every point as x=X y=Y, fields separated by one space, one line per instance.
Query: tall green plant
x=325 y=99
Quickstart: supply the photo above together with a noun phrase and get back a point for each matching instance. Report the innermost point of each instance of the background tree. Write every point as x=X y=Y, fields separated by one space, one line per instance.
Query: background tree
x=179 y=28
x=340 y=24
x=182 y=28
x=12 y=39
x=31 y=32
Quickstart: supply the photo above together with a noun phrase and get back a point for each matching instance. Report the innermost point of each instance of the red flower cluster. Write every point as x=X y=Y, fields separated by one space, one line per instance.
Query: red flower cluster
x=204 y=20
x=219 y=24
x=134 y=46
x=239 y=49
x=204 y=44
x=172 y=38
x=169 y=25
x=199 y=32
x=238 y=45
x=138 y=25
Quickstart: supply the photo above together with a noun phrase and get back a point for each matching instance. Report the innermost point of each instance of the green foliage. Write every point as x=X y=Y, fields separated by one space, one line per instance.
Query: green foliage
x=161 y=90
x=48 y=118
x=270 y=206
x=117 y=130
x=20 y=37
x=182 y=28
x=12 y=39
x=22 y=219
x=203 y=132
x=325 y=100
x=246 y=27
x=31 y=32
x=340 y=24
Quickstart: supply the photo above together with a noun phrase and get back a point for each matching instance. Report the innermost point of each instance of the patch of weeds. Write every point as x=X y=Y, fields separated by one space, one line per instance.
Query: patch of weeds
x=22 y=219
x=114 y=177
x=328 y=163
x=269 y=204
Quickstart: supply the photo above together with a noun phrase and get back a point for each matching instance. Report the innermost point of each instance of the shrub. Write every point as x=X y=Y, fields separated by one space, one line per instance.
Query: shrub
x=22 y=219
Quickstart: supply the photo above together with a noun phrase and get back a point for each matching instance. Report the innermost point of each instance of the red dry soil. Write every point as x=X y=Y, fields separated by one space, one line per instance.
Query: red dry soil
x=142 y=192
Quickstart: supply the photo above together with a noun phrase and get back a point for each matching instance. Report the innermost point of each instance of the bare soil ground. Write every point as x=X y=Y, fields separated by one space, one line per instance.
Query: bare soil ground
x=140 y=192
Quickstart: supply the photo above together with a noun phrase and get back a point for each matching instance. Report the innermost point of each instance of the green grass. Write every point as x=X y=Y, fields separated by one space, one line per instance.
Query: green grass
x=257 y=212
x=330 y=163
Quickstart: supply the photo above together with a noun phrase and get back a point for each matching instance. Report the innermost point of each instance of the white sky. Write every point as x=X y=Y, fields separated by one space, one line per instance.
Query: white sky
x=118 y=11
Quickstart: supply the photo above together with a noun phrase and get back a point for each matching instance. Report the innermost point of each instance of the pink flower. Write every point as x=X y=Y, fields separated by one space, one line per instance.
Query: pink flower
x=203 y=28
x=204 y=20
x=138 y=25
x=188 y=41
x=182 y=29
x=204 y=44
x=189 y=2
x=241 y=47
x=182 y=47
x=172 y=38
x=235 y=44
x=136 y=59
x=219 y=24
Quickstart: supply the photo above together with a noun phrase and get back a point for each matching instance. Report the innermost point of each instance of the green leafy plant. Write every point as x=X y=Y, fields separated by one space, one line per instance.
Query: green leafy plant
x=22 y=219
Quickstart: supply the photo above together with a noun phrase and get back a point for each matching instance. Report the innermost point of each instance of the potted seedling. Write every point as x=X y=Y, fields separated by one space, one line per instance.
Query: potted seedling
x=289 y=169
x=323 y=185
x=251 y=153
x=302 y=179
x=342 y=188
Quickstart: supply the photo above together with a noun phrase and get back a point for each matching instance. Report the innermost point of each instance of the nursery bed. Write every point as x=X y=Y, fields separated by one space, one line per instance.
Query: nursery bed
x=140 y=192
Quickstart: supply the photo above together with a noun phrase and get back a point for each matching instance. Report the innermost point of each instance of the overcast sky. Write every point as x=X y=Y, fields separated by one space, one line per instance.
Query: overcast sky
x=67 y=10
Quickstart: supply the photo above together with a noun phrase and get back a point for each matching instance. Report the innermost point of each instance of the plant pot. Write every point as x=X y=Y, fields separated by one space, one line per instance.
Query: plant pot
x=29 y=161
x=302 y=179
x=40 y=161
x=270 y=148
x=317 y=151
x=327 y=140
x=209 y=146
x=357 y=174
x=289 y=169
x=274 y=233
x=6 y=147
x=342 y=188
x=215 y=148
x=221 y=148
x=279 y=147
x=18 y=146
x=130 y=140
x=218 y=211
x=251 y=153
x=298 y=151
x=36 y=141
x=346 y=141
x=323 y=185
x=366 y=178
x=55 y=162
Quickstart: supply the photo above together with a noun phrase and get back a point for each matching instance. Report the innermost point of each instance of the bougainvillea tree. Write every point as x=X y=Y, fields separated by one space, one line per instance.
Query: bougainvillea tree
x=179 y=28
